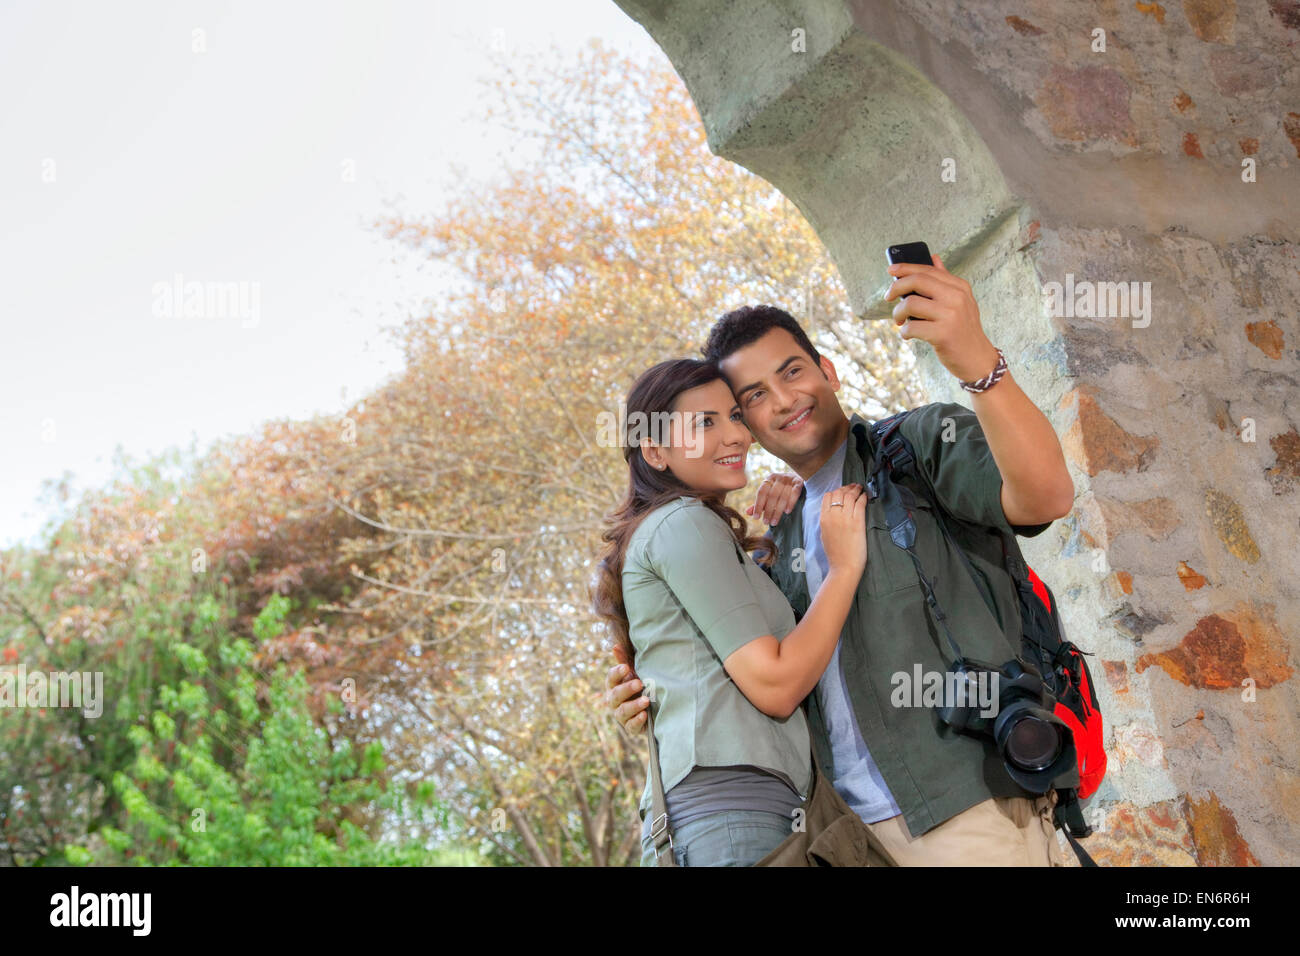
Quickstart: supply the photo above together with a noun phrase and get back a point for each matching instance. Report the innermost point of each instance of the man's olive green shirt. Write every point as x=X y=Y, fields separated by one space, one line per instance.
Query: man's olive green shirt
x=932 y=772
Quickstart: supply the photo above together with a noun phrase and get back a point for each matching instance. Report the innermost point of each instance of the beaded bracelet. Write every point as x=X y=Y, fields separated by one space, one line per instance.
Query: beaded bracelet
x=989 y=380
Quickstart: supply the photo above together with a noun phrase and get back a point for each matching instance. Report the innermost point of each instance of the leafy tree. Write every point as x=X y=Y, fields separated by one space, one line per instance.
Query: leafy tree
x=286 y=800
x=109 y=591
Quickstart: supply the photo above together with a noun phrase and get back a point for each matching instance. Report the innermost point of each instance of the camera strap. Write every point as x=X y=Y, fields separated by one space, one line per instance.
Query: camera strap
x=899 y=503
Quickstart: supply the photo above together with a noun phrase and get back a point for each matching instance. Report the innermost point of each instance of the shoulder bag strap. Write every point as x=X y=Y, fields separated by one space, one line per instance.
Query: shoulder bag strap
x=659 y=829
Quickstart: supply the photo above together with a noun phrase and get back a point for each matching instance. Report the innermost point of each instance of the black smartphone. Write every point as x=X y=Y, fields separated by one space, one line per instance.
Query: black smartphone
x=914 y=252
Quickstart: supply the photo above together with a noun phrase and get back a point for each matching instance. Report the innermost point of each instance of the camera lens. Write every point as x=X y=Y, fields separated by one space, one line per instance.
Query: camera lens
x=1033 y=744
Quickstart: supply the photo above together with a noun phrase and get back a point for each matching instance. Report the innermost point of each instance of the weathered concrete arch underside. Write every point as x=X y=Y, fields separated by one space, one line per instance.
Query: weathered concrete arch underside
x=849 y=131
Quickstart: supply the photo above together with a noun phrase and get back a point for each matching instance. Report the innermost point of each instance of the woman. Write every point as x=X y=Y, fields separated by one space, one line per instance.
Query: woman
x=707 y=629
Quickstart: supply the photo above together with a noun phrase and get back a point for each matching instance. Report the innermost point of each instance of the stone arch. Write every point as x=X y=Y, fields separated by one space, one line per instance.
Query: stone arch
x=853 y=134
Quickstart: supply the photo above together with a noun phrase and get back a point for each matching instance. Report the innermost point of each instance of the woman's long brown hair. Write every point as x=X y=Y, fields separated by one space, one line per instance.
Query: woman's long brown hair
x=653 y=395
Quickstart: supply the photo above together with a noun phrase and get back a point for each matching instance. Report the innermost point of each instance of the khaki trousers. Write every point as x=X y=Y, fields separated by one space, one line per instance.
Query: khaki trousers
x=1002 y=831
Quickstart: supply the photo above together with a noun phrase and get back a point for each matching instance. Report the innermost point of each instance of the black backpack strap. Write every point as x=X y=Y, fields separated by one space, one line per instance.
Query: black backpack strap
x=898 y=451
x=899 y=502
x=1068 y=817
x=897 y=458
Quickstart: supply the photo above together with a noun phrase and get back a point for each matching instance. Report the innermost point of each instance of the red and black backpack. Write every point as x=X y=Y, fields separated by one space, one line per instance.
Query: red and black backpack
x=1044 y=644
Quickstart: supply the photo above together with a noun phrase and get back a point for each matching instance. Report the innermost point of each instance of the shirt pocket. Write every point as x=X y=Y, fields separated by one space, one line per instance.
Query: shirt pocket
x=889 y=567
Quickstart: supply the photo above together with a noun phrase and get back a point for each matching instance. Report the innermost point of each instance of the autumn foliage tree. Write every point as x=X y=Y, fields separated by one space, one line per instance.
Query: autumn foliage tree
x=488 y=475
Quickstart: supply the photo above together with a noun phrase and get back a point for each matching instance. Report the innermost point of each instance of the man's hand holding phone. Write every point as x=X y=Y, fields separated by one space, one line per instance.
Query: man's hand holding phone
x=942 y=312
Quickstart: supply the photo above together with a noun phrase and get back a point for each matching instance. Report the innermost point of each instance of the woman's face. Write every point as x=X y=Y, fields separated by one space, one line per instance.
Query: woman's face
x=708 y=441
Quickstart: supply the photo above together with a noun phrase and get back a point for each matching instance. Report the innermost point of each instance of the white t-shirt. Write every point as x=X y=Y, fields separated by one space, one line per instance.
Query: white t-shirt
x=857 y=778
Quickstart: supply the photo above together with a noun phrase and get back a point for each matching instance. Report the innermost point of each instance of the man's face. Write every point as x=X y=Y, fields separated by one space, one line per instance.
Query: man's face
x=788 y=403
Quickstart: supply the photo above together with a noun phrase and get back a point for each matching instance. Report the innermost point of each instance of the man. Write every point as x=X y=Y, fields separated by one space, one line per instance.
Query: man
x=932 y=796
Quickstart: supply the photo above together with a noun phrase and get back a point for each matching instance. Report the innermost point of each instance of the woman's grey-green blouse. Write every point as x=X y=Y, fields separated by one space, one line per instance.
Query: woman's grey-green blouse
x=693 y=596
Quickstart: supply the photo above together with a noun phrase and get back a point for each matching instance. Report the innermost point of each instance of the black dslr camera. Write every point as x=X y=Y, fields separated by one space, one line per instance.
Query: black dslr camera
x=1036 y=745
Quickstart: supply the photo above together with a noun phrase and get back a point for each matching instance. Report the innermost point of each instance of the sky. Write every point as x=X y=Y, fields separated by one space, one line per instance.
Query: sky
x=153 y=146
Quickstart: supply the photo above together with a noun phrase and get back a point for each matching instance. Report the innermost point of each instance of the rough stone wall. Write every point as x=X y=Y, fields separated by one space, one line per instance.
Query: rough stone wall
x=1043 y=165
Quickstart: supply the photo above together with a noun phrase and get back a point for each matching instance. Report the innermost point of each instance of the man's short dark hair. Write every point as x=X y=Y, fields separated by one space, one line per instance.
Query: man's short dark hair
x=747 y=325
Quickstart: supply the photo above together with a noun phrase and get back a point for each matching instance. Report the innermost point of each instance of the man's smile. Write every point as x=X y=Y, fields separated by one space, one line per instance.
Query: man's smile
x=798 y=421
